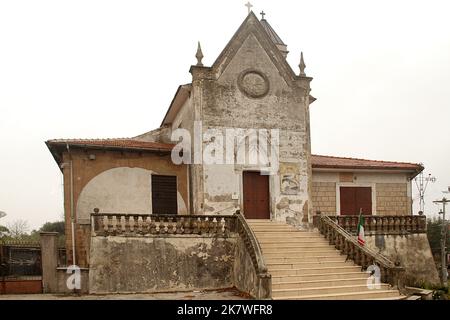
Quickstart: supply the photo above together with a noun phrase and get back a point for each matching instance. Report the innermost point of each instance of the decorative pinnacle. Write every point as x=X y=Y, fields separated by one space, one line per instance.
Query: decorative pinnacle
x=199 y=55
x=302 y=66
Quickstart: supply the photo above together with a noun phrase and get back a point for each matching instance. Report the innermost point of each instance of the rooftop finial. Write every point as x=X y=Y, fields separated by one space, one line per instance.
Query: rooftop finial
x=262 y=14
x=249 y=7
x=199 y=55
x=302 y=66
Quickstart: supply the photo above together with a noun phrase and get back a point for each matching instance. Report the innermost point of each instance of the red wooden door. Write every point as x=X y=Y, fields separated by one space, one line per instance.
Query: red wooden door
x=256 y=196
x=353 y=199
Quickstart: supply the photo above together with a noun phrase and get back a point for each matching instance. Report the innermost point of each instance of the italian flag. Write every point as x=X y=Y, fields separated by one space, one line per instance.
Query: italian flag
x=361 y=238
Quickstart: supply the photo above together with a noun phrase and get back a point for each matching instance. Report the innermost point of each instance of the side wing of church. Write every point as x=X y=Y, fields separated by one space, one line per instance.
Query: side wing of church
x=248 y=103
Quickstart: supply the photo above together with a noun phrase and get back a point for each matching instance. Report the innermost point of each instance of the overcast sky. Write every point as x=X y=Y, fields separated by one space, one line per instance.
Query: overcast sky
x=102 y=69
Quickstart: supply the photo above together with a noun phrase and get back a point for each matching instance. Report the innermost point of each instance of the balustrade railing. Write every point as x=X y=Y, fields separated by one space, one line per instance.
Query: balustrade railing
x=119 y=224
x=383 y=224
x=361 y=255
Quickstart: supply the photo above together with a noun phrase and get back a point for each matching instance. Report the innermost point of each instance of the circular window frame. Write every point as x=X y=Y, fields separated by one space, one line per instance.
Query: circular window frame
x=245 y=91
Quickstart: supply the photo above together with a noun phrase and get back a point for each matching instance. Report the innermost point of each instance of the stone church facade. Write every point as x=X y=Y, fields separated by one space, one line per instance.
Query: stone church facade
x=250 y=86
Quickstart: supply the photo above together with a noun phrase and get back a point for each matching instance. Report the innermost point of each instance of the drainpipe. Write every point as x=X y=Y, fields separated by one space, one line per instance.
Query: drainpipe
x=72 y=218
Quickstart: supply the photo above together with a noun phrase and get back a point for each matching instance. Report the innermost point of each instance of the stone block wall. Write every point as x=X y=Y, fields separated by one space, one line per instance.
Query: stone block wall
x=392 y=199
x=324 y=197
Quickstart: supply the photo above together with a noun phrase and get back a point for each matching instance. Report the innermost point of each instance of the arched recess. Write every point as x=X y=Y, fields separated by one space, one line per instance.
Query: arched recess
x=119 y=190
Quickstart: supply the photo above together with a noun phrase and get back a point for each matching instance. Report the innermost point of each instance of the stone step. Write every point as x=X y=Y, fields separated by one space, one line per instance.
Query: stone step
x=274 y=254
x=290 y=239
x=319 y=283
x=317 y=270
x=316 y=277
x=292 y=233
x=270 y=229
x=302 y=265
x=400 y=297
x=298 y=251
x=368 y=295
x=312 y=259
x=299 y=246
x=267 y=222
x=298 y=292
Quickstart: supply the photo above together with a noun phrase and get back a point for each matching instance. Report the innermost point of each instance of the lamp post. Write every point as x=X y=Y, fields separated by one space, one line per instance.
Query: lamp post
x=444 y=272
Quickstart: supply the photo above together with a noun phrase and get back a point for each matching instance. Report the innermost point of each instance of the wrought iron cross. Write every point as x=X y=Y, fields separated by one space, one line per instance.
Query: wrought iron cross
x=262 y=14
x=249 y=6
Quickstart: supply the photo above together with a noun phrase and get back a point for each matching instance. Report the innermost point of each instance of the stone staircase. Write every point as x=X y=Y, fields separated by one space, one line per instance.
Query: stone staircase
x=305 y=267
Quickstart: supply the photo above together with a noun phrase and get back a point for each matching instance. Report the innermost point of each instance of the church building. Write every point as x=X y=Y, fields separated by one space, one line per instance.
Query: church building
x=205 y=158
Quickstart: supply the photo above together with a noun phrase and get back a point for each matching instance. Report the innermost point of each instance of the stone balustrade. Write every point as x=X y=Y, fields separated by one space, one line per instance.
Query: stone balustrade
x=361 y=255
x=119 y=224
x=388 y=225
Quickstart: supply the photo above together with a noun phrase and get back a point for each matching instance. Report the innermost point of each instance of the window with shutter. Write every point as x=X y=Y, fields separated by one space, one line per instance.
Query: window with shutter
x=164 y=195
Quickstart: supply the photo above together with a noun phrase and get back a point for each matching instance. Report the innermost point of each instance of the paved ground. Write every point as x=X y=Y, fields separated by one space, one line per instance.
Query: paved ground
x=203 y=295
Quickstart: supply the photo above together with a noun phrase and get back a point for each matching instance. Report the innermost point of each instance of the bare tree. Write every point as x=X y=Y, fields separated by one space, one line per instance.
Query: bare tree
x=18 y=228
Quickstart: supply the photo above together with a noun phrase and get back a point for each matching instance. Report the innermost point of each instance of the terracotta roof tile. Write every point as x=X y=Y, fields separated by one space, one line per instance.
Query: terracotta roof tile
x=353 y=163
x=114 y=143
x=318 y=161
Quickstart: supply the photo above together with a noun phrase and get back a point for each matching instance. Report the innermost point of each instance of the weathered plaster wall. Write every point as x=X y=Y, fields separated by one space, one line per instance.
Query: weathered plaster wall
x=120 y=264
x=113 y=175
x=121 y=190
x=220 y=103
x=412 y=251
x=245 y=276
x=392 y=192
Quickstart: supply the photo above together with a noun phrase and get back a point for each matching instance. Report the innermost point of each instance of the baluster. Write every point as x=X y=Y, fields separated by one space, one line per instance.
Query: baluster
x=110 y=225
x=373 y=224
x=158 y=225
x=195 y=226
x=214 y=226
x=402 y=224
x=132 y=224
x=146 y=225
x=408 y=224
x=151 y=225
x=378 y=222
x=103 y=225
x=165 y=225
x=223 y=226
x=170 y=226
x=127 y=223
x=397 y=224
x=188 y=227
x=179 y=226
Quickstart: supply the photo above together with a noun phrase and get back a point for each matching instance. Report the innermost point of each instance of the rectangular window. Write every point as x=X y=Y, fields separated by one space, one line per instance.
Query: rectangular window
x=354 y=199
x=164 y=195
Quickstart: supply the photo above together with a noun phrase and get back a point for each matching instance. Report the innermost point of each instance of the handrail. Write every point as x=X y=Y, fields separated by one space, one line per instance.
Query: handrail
x=361 y=255
x=402 y=225
x=249 y=238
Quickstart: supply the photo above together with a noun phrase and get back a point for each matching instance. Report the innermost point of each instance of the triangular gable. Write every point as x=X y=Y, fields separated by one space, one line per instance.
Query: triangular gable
x=252 y=25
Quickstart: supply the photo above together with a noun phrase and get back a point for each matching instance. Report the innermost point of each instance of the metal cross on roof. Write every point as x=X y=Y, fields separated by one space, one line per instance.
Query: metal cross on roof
x=262 y=14
x=249 y=6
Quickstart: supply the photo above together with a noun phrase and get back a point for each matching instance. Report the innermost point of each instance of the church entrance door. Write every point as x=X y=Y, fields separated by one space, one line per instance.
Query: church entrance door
x=256 y=195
